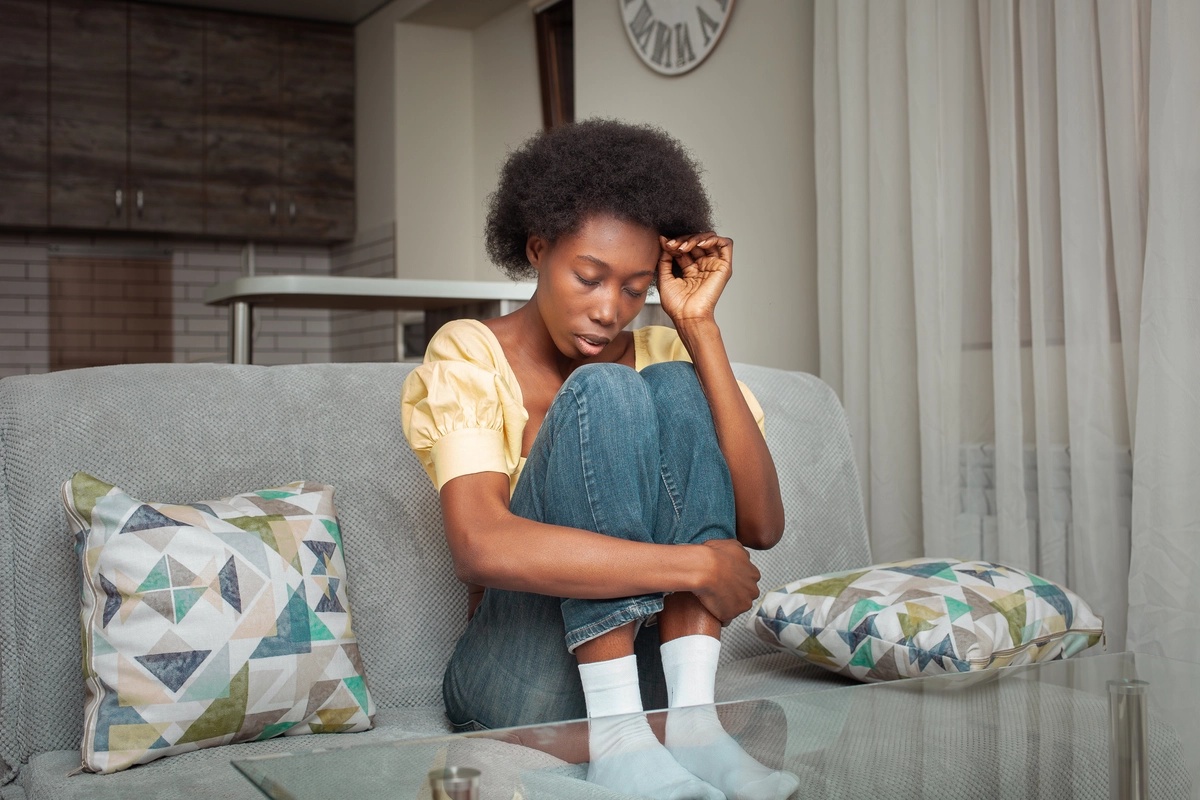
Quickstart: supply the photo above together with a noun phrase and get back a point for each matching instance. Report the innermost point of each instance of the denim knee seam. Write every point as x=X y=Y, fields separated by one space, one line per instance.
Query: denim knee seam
x=612 y=621
x=672 y=490
x=589 y=479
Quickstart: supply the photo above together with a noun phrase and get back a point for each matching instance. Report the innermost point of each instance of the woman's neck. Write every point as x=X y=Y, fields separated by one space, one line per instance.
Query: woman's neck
x=527 y=343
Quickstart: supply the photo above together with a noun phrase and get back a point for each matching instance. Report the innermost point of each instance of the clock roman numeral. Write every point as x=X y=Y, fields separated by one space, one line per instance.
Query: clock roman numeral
x=683 y=45
x=707 y=25
x=662 y=43
x=642 y=26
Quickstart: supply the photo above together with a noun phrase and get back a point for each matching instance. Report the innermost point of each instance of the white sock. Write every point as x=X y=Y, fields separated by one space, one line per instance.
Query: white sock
x=625 y=755
x=695 y=735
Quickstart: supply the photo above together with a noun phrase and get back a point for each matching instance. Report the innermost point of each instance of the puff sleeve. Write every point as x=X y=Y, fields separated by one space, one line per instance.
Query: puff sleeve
x=461 y=410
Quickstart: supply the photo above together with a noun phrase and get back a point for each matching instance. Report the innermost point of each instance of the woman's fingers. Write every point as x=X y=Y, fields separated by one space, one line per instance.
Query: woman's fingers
x=734 y=586
x=700 y=245
x=685 y=243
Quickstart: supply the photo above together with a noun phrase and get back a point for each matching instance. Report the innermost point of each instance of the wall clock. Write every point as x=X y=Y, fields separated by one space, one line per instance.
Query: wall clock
x=673 y=36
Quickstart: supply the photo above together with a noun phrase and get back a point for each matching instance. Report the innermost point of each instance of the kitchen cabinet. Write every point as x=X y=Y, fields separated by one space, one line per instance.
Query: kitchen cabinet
x=166 y=120
x=121 y=115
x=24 y=124
x=280 y=129
x=126 y=116
x=242 y=125
x=88 y=128
x=317 y=113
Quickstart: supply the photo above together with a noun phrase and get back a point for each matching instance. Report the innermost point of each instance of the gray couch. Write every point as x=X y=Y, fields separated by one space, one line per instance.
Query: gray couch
x=181 y=433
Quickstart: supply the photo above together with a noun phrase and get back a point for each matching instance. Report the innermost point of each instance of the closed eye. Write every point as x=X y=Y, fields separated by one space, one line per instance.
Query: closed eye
x=632 y=293
x=586 y=282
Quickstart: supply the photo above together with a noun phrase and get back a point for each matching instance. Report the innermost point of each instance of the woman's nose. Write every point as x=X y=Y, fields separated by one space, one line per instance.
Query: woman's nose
x=604 y=308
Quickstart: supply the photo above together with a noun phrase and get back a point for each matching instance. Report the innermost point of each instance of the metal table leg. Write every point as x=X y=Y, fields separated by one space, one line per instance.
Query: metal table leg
x=239 y=332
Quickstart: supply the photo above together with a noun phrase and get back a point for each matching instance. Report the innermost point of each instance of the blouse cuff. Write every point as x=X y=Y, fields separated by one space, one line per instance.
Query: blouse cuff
x=467 y=451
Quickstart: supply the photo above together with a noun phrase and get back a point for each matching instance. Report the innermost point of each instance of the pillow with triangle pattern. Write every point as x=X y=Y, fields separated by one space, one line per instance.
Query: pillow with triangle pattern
x=927 y=616
x=211 y=622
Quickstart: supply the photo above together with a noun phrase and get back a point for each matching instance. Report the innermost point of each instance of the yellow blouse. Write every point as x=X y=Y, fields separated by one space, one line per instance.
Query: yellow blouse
x=462 y=409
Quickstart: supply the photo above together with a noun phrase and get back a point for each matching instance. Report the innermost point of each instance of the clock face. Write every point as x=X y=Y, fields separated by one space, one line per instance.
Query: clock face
x=674 y=36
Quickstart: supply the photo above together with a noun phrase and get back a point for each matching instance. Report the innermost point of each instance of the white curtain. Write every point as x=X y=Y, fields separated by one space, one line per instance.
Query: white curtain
x=1008 y=198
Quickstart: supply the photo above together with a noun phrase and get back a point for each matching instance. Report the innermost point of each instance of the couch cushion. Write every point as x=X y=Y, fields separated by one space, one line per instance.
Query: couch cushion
x=207 y=773
x=213 y=622
x=771 y=675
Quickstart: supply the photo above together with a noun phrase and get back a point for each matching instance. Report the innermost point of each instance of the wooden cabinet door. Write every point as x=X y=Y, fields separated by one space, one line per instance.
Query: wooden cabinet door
x=24 y=123
x=242 y=138
x=317 y=116
x=88 y=97
x=166 y=119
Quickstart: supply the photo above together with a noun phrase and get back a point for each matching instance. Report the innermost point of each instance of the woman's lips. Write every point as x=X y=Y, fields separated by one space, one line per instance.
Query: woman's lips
x=590 y=346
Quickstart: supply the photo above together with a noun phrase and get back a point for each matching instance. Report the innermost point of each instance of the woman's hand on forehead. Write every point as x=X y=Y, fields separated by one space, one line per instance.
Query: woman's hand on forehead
x=692 y=273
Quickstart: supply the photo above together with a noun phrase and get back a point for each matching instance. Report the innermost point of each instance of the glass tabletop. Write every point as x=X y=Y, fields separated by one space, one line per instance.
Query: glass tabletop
x=1108 y=726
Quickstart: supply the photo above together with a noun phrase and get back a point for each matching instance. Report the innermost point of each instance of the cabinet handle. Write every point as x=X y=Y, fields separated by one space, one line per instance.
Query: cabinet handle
x=120 y=200
x=272 y=208
x=138 y=198
x=292 y=211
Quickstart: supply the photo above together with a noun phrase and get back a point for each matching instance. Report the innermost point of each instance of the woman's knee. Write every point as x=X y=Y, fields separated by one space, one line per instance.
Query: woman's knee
x=613 y=390
x=676 y=393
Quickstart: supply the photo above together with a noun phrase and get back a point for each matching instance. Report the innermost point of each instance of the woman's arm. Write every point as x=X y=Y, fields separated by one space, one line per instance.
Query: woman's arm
x=706 y=263
x=493 y=547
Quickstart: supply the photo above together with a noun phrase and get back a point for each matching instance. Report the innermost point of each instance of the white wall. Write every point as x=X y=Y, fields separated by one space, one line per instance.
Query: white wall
x=433 y=152
x=746 y=114
x=438 y=109
x=374 y=119
x=507 y=106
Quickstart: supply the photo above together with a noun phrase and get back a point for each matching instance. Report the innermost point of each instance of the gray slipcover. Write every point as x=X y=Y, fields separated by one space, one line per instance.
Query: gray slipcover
x=187 y=432
x=176 y=432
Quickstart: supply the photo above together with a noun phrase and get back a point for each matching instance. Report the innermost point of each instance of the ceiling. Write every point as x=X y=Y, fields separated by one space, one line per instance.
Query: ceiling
x=448 y=13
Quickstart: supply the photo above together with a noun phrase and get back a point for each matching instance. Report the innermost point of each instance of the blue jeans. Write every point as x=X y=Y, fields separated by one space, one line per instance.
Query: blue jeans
x=627 y=454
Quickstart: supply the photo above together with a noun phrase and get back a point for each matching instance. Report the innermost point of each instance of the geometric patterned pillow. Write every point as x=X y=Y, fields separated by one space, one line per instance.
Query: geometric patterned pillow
x=927 y=616
x=210 y=623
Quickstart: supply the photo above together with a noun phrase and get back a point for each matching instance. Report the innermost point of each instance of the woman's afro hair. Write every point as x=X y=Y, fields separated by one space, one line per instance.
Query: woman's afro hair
x=557 y=178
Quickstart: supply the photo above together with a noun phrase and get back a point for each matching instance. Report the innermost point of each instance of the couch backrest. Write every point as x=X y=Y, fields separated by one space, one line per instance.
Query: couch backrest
x=192 y=432
x=826 y=528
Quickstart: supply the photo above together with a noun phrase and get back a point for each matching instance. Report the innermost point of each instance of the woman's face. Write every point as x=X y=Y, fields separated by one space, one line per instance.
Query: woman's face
x=593 y=282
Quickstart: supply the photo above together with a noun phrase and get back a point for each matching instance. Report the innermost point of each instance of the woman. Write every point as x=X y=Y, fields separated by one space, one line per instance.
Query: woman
x=591 y=479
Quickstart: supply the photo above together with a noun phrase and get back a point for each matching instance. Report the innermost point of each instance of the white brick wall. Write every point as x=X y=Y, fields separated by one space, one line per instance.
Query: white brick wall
x=24 y=305
x=279 y=335
x=198 y=332
x=364 y=335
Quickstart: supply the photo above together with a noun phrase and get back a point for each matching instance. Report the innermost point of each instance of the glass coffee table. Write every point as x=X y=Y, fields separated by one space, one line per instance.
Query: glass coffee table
x=1110 y=726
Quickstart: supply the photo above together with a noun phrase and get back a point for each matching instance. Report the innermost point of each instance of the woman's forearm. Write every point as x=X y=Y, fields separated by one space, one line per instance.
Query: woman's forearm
x=493 y=547
x=757 y=500
x=509 y=552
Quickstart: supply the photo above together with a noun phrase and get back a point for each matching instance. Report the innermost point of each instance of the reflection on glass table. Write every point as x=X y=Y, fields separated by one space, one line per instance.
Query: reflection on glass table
x=1081 y=728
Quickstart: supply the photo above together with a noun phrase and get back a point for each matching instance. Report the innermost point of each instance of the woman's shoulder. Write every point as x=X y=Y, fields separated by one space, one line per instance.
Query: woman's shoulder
x=466 y=340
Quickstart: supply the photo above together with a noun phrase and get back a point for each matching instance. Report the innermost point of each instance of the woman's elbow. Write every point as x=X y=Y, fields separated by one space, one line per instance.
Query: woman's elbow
x=762 y=534
x=466 y=571
x=470 y=564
